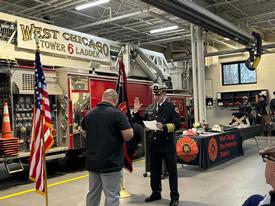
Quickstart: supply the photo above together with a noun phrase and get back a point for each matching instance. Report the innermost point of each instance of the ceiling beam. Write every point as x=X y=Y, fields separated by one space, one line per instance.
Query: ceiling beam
x=170 y=39
x=23 y=15
x=237 y=8
x=221 y=3
x=41 y=4
x=195 y=14
x=159 y=16
x=59 y=6
x=150 y=38
x=224 y=43
x=109 y=20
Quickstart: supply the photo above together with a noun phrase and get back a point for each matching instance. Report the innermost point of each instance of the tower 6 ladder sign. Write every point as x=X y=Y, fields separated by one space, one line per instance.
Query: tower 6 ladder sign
x=62 y=41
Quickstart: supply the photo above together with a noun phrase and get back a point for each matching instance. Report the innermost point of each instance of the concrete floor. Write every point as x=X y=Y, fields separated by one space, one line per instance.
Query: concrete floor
x=228 y=184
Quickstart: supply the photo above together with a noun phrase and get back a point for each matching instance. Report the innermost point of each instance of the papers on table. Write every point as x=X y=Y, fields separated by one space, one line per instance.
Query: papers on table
x=151 y=125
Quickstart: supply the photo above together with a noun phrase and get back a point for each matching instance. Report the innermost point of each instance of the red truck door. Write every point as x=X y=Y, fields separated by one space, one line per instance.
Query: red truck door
x=135 y=89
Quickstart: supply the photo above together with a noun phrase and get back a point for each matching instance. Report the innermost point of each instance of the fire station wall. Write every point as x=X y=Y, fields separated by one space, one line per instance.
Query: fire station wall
x=213 y=76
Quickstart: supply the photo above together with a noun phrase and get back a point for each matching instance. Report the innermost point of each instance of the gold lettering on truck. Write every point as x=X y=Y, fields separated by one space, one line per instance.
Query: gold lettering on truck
x=98 y=46
x=43 y=33
x=26 y=32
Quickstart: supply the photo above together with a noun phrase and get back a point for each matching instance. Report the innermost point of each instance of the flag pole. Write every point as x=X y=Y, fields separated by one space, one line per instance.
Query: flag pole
x=123 y=192
x=44 y=164
x=43 y=140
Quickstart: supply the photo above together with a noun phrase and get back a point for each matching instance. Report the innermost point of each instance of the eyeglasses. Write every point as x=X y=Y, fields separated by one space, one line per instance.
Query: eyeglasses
x=268 y=157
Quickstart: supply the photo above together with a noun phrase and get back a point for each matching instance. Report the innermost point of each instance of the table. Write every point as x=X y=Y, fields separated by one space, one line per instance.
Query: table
x=251 y=132
x=209 y=149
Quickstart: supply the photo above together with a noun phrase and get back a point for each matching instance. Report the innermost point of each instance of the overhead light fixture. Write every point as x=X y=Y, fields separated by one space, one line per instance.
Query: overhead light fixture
x=225 y=38
x=91 y=4
x=163 y=29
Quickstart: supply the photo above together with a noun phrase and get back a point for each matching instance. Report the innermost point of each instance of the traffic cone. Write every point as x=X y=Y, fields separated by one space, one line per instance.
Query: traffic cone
x=6 y=126
x=9 y=145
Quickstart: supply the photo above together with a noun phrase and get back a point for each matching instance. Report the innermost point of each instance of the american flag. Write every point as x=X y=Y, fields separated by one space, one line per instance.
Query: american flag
x=42 y=128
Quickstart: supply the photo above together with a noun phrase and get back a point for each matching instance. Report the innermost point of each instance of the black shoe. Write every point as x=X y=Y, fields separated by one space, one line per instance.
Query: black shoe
x=174 y=203
x=153 y=197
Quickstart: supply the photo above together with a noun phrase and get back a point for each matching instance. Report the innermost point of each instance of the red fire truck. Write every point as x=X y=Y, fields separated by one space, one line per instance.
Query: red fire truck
x=76 y=75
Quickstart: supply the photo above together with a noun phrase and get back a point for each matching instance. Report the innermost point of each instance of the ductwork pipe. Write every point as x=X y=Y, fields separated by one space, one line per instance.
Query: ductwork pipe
x=181 y=56
x=255 y=61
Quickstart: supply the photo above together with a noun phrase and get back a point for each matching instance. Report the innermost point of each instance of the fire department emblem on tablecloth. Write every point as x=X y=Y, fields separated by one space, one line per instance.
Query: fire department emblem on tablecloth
x=187 y=149
x=212 y=149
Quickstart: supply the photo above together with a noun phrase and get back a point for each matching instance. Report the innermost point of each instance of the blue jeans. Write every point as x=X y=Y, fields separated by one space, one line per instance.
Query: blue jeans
x=109 y=183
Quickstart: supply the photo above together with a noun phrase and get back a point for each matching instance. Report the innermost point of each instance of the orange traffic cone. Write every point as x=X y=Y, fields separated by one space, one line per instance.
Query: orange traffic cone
x=9 y=145
x=6 y=126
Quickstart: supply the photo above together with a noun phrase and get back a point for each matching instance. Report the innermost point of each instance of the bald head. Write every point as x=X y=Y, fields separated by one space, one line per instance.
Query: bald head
x=110 y=96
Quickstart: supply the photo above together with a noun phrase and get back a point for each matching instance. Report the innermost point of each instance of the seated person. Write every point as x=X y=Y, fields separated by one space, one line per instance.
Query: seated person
x=272 y=105
x=261 y=109
x=245 y=109
x=268 y=155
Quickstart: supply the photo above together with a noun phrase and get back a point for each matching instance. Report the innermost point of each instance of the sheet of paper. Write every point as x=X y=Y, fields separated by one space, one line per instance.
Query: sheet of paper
x=152 y=125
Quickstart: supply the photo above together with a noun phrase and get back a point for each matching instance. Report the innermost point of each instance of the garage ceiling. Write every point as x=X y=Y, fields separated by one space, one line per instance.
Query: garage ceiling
x=132 y=20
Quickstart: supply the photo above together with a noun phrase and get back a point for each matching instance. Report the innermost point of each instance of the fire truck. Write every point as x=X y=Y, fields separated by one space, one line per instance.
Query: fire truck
x=78 y=67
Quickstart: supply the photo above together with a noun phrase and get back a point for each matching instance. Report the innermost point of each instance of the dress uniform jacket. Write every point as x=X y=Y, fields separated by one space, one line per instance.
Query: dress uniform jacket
x=245 y=109
x=163 y=147
x=162 y=141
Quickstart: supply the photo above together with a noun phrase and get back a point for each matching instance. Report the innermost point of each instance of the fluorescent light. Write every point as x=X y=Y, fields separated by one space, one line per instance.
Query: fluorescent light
x=95 y=3
x=225 y=38
x=163 y=29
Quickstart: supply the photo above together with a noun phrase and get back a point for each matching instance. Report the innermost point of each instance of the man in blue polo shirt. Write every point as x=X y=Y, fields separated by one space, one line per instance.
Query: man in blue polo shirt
x=106 y=130
x=268 y=155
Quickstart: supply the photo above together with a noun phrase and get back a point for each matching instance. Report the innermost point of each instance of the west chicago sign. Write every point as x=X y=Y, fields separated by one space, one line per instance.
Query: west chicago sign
x=62 y=41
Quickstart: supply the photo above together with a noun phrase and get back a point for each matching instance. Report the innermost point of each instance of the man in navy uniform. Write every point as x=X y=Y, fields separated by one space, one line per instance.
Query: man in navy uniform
x=163 y=142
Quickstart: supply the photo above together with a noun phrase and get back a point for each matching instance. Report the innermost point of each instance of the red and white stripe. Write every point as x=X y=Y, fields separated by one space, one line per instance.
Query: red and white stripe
x=36 y=156
x=41 y=130
x=48 y=126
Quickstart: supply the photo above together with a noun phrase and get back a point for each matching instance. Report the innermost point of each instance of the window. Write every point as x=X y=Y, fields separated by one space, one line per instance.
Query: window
x=237 y=73
x=247 y=76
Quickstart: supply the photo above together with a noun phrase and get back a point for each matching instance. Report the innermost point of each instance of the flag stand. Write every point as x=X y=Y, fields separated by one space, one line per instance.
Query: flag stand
x=123 y=192
x=43 y=146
